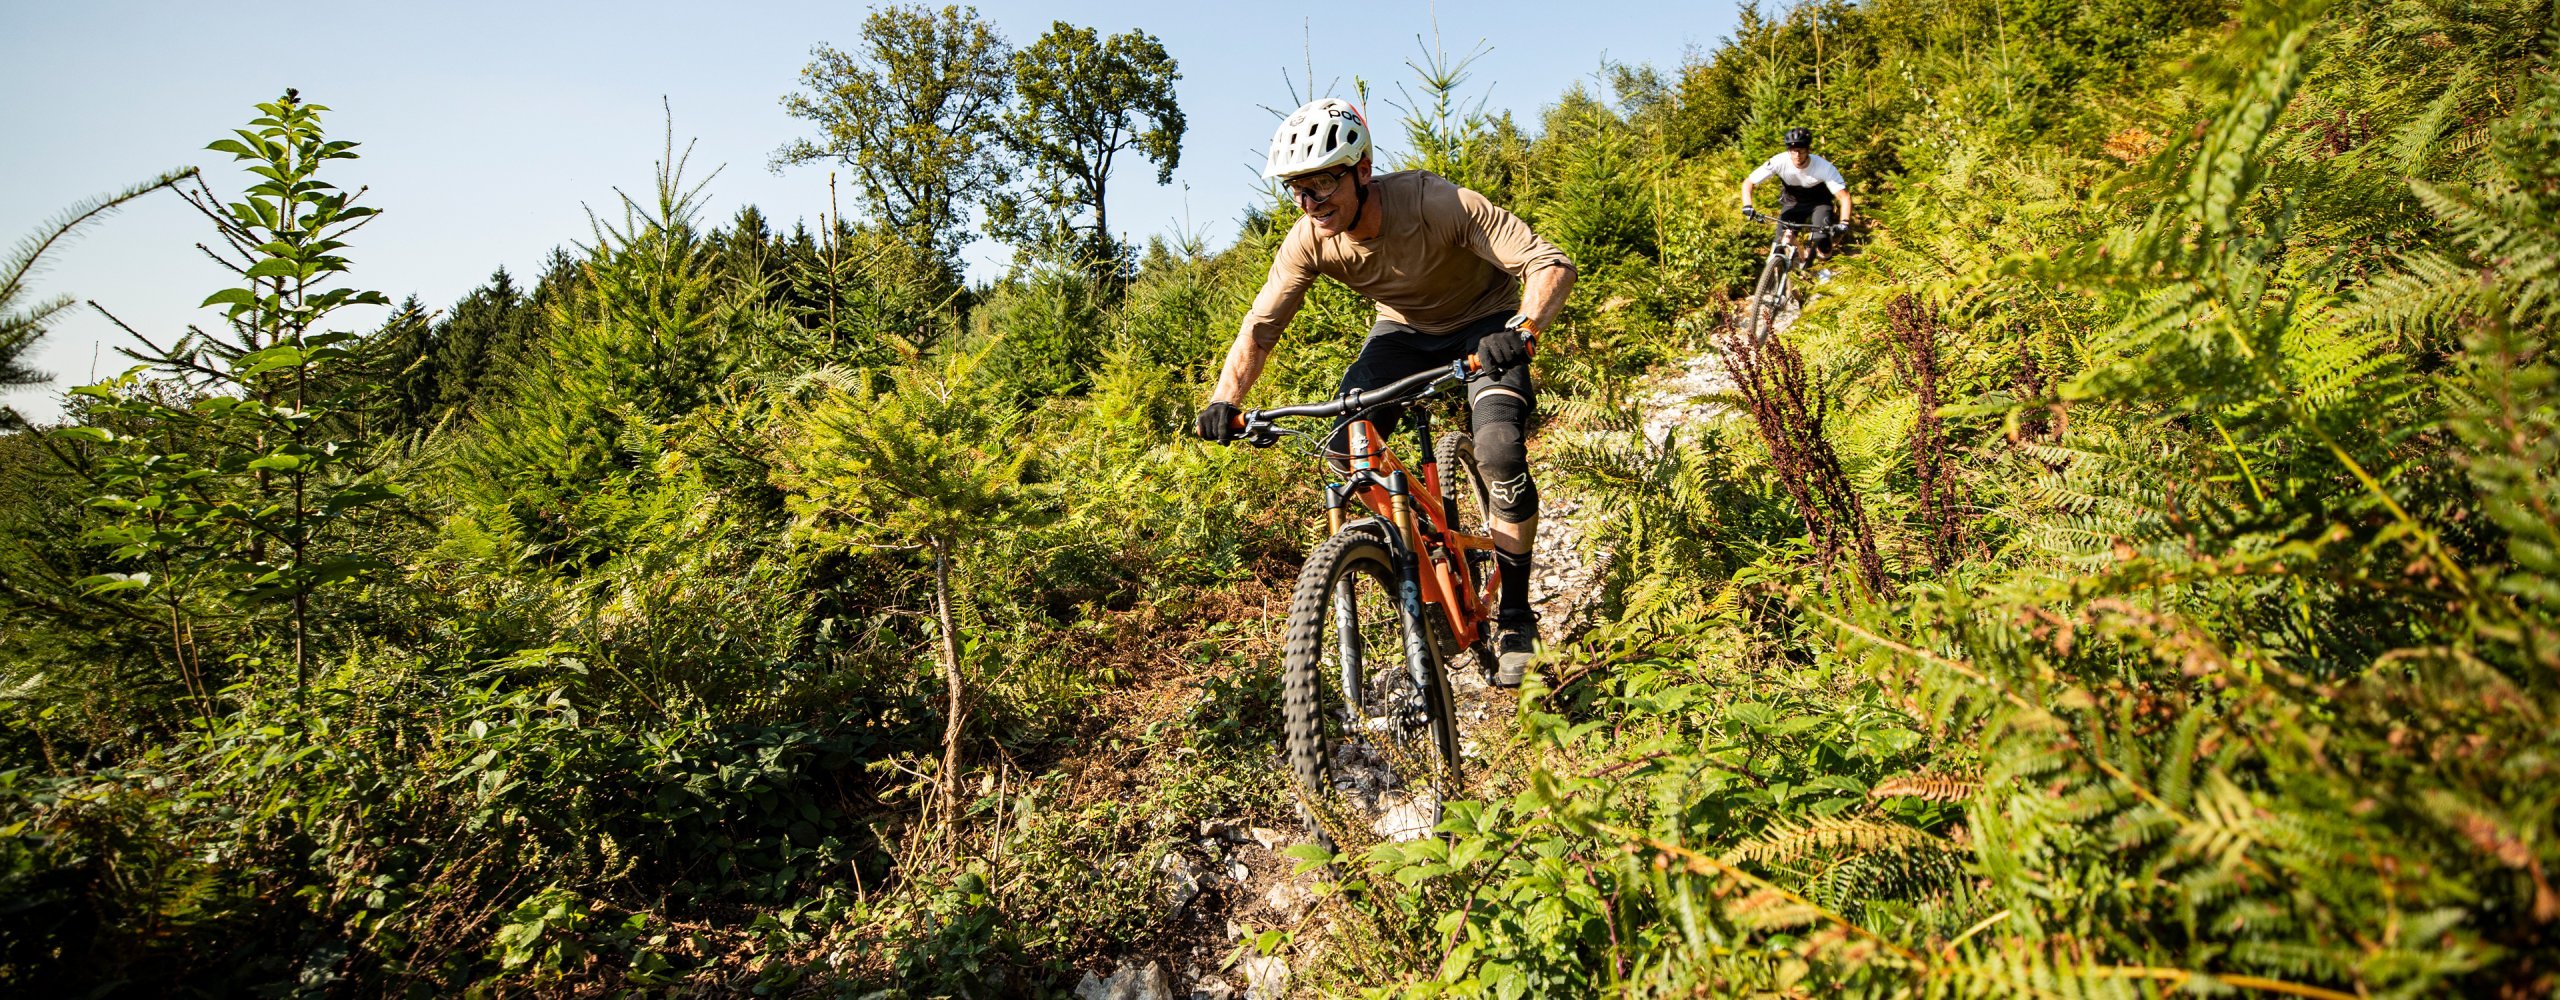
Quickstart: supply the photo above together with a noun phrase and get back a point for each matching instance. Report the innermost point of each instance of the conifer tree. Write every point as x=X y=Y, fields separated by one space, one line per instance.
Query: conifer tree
x=927 y=465
x=23 y=323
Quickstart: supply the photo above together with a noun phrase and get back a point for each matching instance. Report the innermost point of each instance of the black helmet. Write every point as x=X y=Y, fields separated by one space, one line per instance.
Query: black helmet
x=1799 y=138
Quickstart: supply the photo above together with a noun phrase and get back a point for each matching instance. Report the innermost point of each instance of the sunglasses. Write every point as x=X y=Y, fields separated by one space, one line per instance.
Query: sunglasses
x=1318 y=188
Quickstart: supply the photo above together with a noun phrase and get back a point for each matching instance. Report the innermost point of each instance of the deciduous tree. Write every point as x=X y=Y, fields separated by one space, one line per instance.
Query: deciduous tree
x=238 y=457
x=1082 y=99
x=911 y=110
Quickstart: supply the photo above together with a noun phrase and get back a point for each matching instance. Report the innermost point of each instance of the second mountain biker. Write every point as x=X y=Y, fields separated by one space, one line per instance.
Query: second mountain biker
x=1812 y=185
x=1447 y=269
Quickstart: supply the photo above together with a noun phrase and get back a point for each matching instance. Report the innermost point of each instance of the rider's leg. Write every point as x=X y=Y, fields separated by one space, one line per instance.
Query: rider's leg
x=1499 y=414
x=1809 y=207
x=1391 y=352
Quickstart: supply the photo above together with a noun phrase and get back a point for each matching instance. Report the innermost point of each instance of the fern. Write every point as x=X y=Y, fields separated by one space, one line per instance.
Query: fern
x=1932 y=787
x=1788 y=841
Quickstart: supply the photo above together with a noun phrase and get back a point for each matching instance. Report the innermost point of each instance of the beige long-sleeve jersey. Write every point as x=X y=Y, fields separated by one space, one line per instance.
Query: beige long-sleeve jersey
x=1446 y=258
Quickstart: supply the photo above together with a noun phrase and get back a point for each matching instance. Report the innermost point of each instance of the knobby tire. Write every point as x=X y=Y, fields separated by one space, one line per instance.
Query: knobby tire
x=1768 y=297
x=1378 y=759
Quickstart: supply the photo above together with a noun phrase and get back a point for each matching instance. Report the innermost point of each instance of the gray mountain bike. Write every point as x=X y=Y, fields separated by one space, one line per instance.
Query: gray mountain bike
x=1787 y=255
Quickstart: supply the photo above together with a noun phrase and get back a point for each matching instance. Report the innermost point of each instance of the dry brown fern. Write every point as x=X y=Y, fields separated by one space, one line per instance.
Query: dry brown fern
x=1934 y=787
x=1786 y=840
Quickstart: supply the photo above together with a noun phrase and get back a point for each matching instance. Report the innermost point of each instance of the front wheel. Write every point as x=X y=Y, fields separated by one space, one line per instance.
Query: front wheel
x=1769 y=296
x=1373 y=752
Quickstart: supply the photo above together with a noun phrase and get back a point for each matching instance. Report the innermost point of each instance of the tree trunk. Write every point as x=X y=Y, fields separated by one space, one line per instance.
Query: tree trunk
x=952 y=718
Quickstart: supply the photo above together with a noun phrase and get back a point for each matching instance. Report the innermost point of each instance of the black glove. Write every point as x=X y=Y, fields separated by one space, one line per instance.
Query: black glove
x=1501 y=349
x=1217 y=423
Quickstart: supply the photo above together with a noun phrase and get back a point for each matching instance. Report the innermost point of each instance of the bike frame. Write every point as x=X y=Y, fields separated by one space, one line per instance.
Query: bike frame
x=1783 y=257
x=1419 y=511
x=1783 y=245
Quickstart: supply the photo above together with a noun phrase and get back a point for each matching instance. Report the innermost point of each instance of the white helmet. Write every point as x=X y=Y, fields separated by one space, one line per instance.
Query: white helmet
x=1328 y=132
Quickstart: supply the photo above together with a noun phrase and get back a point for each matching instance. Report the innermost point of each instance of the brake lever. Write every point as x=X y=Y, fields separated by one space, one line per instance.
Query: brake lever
x=1264 y=434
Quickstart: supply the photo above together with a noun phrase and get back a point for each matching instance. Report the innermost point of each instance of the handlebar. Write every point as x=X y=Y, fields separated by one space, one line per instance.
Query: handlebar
x=1256 y=425
x=1755 y=215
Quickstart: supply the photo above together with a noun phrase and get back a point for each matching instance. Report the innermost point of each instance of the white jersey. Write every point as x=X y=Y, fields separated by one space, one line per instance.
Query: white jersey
x=1816 y=170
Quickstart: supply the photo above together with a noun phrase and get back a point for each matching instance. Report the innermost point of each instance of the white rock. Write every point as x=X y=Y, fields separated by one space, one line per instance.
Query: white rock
x=1129 y=982
x=1270 y=839
x=1238 y=872
x=1266 y=977
x=1409 y=818
x=1289 y=900
x=1230 y=830
x=1184 y=876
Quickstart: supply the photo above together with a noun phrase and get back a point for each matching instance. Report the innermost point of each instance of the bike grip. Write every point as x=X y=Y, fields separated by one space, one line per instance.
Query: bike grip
x=1528 y=345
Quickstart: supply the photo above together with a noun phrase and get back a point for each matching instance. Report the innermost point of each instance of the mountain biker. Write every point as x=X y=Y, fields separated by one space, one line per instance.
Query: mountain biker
x=1812 y=184
x=1447 y=270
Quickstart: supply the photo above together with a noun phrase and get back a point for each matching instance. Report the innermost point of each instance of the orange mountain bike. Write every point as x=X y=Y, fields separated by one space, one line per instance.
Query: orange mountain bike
x=1399 y=589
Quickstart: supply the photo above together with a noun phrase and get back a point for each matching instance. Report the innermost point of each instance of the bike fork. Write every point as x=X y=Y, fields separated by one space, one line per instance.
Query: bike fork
x=1417 y=638
x=1347 y=651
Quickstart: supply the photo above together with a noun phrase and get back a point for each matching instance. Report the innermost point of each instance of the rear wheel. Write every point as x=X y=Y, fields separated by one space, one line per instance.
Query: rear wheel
x=1464 y=482
x=1374 y=754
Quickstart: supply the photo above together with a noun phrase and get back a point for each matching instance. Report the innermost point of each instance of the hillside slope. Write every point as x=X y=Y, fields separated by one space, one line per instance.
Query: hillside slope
x=2132 y=572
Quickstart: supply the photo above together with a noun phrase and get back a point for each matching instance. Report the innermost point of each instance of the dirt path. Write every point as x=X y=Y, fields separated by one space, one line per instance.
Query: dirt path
x=1570 y=569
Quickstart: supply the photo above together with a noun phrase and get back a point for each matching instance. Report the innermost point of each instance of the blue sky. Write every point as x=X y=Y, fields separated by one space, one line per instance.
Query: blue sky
x=488 y=129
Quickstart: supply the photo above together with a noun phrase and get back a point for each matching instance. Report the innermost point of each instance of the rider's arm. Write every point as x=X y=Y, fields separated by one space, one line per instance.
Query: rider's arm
x=1766 y=168
x=1839 y=186
x=1494 y=234
x=1544 y=296
x=1283 y=291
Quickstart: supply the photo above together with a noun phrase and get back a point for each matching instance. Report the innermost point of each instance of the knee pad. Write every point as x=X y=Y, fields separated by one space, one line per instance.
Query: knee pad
x=1502 y=455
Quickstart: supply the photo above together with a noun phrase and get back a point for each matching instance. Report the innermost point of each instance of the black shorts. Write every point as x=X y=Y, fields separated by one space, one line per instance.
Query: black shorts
x=1811 y=206
x=1395 y=350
